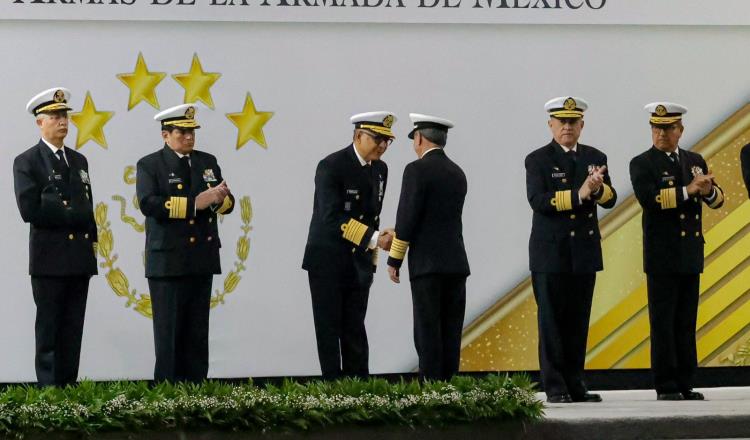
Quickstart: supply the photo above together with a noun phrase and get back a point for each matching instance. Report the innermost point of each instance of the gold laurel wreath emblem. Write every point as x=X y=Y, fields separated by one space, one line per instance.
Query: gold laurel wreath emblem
x=118 y=281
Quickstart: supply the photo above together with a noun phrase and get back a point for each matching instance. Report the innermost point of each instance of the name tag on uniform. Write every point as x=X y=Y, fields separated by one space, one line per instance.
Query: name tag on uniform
x=175 y=180
x=557 y=175
x=352 y=191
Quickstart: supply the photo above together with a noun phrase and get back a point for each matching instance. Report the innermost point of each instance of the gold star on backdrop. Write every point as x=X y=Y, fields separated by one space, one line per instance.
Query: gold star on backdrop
x=250 y=123
x=90 y=123
x=197 y=83
x=142 y=84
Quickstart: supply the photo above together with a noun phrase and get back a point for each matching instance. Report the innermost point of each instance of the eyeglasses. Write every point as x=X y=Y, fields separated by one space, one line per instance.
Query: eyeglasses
x=379 y=139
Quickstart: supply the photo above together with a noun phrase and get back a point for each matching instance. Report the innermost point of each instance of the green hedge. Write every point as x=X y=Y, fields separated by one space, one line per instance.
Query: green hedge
x=92 y=407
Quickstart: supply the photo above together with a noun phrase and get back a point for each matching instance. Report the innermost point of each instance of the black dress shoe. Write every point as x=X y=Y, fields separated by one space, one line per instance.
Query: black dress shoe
x=692 y=395
x=669 y=396
x=588 y=397
x=559 y=398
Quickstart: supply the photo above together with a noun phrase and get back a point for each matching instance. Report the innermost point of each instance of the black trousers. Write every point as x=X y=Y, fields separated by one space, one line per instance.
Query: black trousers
x=672 y=312
x=339 y=309
x=439 y=302
x=180 y=308
x=60 y=311
x=563 y=308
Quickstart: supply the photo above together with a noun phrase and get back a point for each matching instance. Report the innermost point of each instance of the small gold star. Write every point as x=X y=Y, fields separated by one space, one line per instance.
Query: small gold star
x=90 y=123
x=197 y=83
x=250 y=123
x=142 y=84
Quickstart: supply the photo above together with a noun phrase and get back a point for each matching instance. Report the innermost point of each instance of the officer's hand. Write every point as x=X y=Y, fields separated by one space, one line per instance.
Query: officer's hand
x=223 y=188
x=585 y=192
x=209 y=197
x=385 y=239
x=707 y=184
x=393 y=273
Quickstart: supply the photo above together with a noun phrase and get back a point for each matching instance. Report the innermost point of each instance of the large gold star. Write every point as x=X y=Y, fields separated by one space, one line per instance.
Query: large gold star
x=142 y=84
x=197 y=83
x=90 y=123
x=250 y=123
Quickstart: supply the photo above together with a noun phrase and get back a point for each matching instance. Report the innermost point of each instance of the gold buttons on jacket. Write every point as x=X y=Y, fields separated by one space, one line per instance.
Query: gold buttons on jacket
x=192 y=239
x=682 y=216
x=209 y=238
x=192 y=222
x=210 y=219
x=683 y=233
x=572 y=233
x=671 y=183
x=697 y=216
x=361 y=217
x=85 y=235
x=591 y=232
x=376 y=218
x=179 y=186
x=65 y=202
x=591 y=214
x=697 y=234
x=572 y=216
x=356 y=197
x=565 y=181
x=354 y=250
x=71 y=236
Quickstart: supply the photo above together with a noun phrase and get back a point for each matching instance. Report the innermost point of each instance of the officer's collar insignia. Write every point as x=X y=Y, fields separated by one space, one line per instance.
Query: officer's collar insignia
x=556 y=168
x=570 y=104
x=388 y=121
x=697 y=171
x=208 y=175
x=666 y=173
x=660 y=110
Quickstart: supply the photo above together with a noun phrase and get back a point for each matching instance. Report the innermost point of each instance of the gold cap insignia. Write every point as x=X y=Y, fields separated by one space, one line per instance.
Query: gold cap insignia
x=59 y=96
x=660 y=110
x=190 y=113
x=388 y=121
x=570 y=104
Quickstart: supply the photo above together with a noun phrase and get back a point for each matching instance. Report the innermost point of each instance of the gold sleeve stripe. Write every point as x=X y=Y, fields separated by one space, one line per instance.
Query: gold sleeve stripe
x=177 y=207
x=354 y=231
x=719 y=198
x=398 y=249
x=667 y=198
x=563 y=200
x=225 y=206
x=607 y=196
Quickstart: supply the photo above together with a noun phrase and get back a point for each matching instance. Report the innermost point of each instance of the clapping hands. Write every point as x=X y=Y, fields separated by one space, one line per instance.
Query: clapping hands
x=212 y=196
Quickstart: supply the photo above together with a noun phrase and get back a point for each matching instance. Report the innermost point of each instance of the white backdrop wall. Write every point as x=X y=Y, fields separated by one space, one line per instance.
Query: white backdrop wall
x=492 y=80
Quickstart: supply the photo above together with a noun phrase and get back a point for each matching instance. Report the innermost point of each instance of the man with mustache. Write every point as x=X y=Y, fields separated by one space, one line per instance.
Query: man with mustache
x=671 y=185
x=341 y=251
x=181 y=191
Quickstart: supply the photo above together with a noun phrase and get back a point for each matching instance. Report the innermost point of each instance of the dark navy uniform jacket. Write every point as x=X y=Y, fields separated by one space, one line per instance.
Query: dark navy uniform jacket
x=672 y=225
x=428 y=221
x=346 y=212
x=179 y=240
x=565 y=234
x=60 y=212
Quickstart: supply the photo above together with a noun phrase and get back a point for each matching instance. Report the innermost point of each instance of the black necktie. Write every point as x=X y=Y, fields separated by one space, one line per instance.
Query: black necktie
x=673 y=157
x=185 y=168
x=62 y=165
